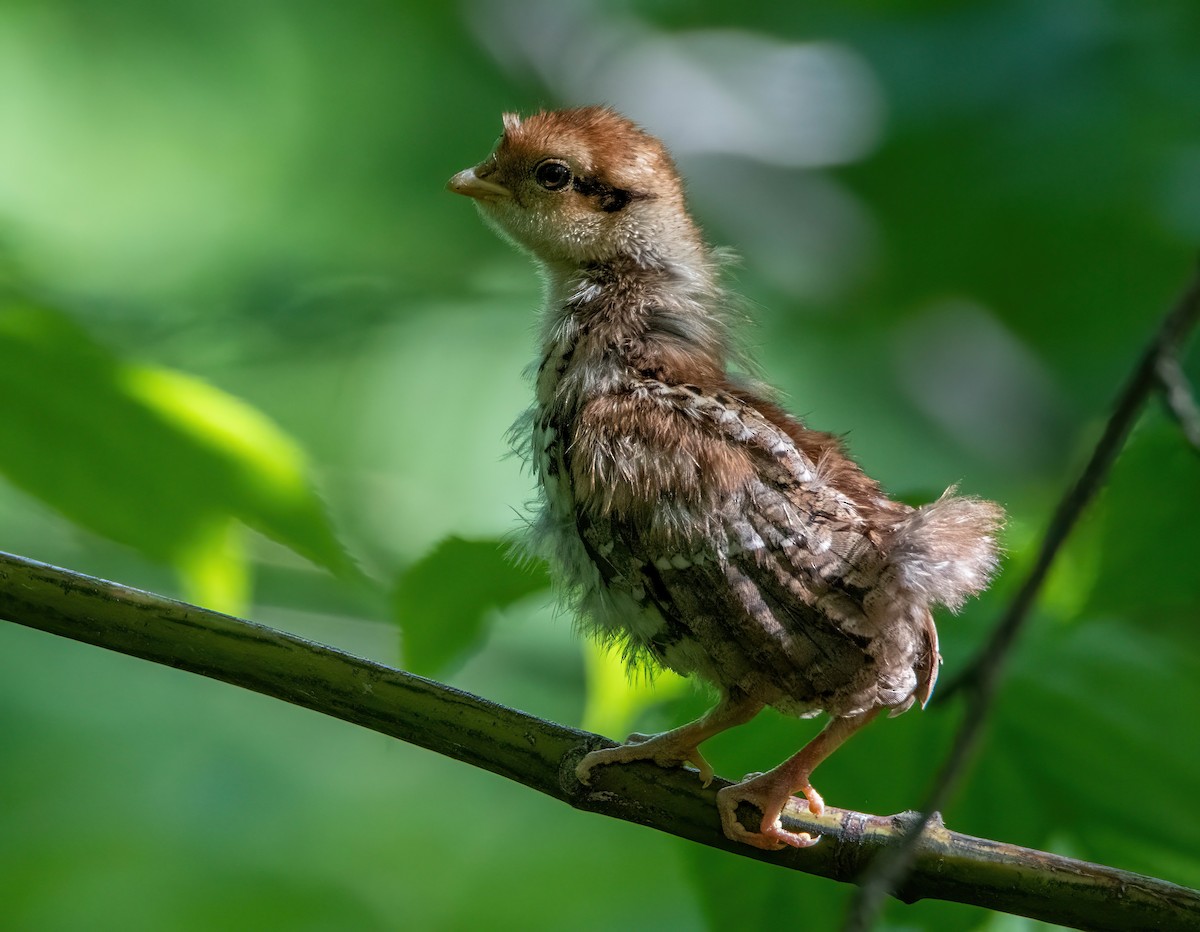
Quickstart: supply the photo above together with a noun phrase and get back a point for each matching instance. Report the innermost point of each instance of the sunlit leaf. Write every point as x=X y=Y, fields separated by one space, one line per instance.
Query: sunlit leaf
x=152 y=458
x=215 y=571
x=614 y=698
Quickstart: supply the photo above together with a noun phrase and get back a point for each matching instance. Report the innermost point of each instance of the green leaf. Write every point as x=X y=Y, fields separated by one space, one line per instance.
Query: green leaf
x=1151 y=530
x=442 y=601
x=614 y=698
x=152 y=458
x=1089 y=745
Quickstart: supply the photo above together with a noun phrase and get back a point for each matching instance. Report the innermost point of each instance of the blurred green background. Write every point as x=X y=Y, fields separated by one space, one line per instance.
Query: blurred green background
x=247 y=342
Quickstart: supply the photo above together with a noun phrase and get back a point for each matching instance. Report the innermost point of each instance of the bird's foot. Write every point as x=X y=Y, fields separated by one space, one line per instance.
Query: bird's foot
x=666 y=750
x=771 y=795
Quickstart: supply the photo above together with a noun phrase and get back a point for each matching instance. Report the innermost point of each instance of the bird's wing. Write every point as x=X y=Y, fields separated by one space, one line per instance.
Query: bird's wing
x=692 y=468
x=761 y=568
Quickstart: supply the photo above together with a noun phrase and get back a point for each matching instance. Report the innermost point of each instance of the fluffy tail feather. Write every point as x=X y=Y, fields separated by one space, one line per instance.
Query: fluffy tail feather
x=946 y=551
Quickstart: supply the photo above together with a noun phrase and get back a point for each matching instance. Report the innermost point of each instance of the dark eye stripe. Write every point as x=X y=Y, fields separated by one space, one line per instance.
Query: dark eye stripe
x=608 y=198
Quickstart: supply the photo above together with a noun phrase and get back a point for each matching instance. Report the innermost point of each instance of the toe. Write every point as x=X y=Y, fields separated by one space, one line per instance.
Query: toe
x=735 y=831
x=771 y=802
x=583 y=770
x=696 y=759
x=778 y=834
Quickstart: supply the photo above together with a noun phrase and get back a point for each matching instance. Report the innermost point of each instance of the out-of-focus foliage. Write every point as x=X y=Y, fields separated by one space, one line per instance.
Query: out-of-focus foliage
x=231 y=277
x=442 y=600
x=147 y=456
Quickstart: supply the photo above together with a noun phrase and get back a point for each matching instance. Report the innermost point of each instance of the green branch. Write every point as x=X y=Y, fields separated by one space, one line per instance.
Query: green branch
x=542 y=755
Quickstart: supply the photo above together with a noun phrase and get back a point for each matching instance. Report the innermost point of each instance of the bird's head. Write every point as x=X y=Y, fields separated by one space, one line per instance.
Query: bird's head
x=582 y=186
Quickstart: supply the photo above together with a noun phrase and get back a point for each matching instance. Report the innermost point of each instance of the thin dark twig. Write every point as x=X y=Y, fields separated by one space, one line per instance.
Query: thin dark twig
x=1181 y=401
x=981 y=678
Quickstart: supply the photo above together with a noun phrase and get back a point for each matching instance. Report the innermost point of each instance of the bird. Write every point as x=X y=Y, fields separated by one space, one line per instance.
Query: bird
x=689 y=520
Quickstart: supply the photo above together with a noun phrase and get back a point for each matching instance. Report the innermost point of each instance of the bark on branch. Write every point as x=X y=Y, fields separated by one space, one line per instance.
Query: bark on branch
x=542 y=755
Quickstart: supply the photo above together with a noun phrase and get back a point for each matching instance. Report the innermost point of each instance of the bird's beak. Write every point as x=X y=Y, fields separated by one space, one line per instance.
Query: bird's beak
x=468 y=183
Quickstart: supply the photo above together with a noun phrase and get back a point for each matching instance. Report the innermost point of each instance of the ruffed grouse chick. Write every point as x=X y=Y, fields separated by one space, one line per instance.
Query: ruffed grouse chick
x=695 y=523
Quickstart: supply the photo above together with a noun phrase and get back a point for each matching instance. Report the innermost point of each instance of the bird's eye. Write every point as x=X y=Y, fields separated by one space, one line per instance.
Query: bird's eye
x=552 y=175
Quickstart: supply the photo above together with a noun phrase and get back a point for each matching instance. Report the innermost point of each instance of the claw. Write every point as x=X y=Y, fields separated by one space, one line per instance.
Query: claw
x=816 y=804
x=657 y=748
x=735 y=831
x=784 y=837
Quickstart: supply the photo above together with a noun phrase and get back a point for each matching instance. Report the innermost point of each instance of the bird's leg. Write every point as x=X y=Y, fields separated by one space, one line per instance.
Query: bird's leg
x=679 y=745
x=772 y=791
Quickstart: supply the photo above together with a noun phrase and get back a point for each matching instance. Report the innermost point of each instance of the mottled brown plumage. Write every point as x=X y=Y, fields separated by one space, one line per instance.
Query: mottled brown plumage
x=691 y=519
